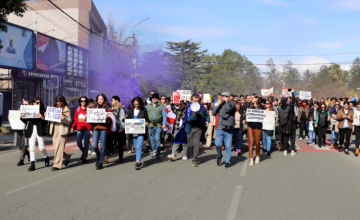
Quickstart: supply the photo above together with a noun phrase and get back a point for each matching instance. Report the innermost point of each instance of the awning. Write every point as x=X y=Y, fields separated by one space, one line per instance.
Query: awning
x=71 y=89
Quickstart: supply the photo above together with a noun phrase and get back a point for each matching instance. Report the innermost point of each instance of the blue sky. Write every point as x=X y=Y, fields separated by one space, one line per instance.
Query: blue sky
x=252 y=27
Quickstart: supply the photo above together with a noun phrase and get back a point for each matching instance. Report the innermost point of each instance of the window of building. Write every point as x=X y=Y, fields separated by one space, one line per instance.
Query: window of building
x=77 y=62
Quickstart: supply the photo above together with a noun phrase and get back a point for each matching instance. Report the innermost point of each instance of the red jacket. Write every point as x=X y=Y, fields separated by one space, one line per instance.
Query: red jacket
x=80 y=120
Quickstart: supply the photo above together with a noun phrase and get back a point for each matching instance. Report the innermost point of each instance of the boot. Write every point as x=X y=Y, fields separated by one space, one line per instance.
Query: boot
x=106 y=159
x=32 y=166
x=222 y=147
x=20 y=163
x=119 y=160
x=332 y=146
x=47 y=162
x=357 y=152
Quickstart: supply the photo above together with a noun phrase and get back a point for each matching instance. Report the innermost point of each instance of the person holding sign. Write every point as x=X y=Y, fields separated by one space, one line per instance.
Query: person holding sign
x=83 y=128
x=138 y=111
x=35 y=130
x=21 y=141
x=254 y=131
x=100 y=130
x=268 y=131
x=225 y=124
x=59 y=132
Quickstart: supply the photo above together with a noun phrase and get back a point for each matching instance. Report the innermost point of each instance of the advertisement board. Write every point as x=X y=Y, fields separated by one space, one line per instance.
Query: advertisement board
x=51 y=54
x=18 y=47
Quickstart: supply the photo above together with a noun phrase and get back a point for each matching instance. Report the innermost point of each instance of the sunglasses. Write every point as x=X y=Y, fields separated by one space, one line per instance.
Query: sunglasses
x=162 y=98
x=37 y=103
x=83 y=101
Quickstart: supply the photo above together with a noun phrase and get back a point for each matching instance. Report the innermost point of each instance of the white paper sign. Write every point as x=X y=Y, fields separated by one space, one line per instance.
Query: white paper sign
x=135 y=126
x=255 y=115
x=186 y=94
x=30 y=111
x=269 y=123
x=267 y=92
x=286 y=93
x=305 y=95
x=53 y=114
x=95 y=115
x=15 y=122
x=207 y=98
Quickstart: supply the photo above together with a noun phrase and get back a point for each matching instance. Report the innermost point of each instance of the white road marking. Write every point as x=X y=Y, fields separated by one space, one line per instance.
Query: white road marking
x=244 y=167
x=234 y=203
x=33 y=184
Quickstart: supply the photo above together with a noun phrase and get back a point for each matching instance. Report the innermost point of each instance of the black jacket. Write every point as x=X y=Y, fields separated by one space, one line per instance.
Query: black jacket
x=142 y=114
x=39 y=123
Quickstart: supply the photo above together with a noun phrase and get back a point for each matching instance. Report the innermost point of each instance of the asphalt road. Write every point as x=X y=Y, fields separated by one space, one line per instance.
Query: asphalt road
x=315 y=184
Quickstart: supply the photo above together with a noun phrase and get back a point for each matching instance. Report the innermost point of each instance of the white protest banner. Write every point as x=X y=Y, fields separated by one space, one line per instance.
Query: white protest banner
x=95 y=115
x=134 y=126
x=170 y=119
x=269 y=123
x=186 y=94
x=255 y=115
x=267 y=92
x=207 y=98
x=30 y=111
x=53 y=114
x=286 y=92
x=15 y=122
x=176 y=97
x=304 y=95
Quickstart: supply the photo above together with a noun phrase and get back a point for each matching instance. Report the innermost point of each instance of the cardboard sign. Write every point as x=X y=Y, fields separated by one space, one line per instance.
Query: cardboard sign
x=53 y=114
x=176 y=97
x=267 y=92
x=286 y=93
x=95 y=115
x=207 y=98
x=15 y=122
x=255 y=115
x=134 y=126
x=186 y=94
x=269 y=123
x=30 y=111
x=304 y=95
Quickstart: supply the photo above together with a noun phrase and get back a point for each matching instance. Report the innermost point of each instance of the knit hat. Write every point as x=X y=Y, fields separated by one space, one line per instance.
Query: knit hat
x=284 y=101
x=116 y=98
x=155 y=95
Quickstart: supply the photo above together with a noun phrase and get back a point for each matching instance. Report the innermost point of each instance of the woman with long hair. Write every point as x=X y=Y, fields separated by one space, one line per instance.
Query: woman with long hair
x=322 y=123
x=59 y=132
x=254 y=131
x=117 y=137
x=163 y=133
x=138 y=111
x=21 y=142
x=35 y=130
x=100 y=130
x=345 y=116
x=239 y=127
x=83 y=128
x=267 y=134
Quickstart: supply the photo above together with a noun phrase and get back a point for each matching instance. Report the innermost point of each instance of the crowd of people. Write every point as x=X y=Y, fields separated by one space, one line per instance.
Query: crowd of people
x=221 y=123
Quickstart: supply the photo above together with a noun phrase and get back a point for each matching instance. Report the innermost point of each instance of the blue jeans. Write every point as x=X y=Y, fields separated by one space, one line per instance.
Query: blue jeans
x=154 y=134
x=225 y=136
x=138 y=143
x=86 y=136
x=311 y=136
x=238 y=137
x=334 y=137
x=266 y=141
x=99 y=135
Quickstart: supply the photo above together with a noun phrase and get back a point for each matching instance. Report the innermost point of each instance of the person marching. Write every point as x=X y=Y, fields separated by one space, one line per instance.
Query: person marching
x=100 y=130
x=302 y=118
x=225 y=127
x=157 y=116
x=345 y=117
x=59 y=133
x=321 y=124
x=35 y=130
x=83 y=128
x=21 y=142
x=138 y=111
x=356 y=128
x=267 y=134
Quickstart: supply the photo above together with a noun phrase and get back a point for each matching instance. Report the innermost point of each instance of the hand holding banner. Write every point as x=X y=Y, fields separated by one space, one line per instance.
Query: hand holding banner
x=255 y=115
x=267 y=92
x=53 y=114
x=176 y=97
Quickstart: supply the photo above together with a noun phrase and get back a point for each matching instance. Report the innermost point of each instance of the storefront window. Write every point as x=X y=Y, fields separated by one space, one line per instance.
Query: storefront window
x=77 y=62
x=24 y=90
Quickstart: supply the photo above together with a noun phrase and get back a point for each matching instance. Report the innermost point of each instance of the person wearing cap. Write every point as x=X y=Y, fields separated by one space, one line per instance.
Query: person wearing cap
x=225 y=125
x=157 y=116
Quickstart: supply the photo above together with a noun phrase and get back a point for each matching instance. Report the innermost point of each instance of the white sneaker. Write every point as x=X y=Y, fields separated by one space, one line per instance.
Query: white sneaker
x=301 y=139
x=93 y=153
x=285 y=152
x=293 y=153
x=184 y=157
x=170 y=157
x=310 y=145
x=89 y=152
